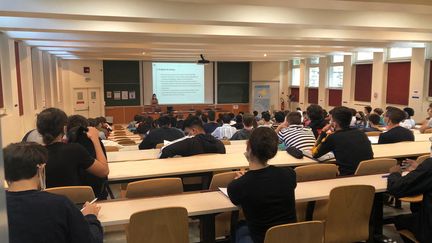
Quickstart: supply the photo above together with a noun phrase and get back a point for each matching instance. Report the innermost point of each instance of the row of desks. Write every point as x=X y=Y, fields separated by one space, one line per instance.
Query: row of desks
x=135 y=170
x=206 y=205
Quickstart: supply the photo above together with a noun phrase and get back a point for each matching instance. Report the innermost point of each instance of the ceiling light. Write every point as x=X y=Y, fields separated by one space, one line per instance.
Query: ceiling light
x=265 y=54
x=143 y=53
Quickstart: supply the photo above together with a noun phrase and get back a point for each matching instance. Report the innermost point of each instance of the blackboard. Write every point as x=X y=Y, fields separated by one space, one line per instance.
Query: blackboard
x=122 y=77
x=233 y=82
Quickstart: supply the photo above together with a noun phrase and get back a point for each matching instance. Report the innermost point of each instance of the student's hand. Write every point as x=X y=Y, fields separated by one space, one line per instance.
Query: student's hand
x=91 y=209
x=395 y=169
x=93 y=133
x=412 y=164
x=239 y=174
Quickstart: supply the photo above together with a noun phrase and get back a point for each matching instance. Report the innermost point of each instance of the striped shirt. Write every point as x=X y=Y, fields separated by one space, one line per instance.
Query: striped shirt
x=297 y=136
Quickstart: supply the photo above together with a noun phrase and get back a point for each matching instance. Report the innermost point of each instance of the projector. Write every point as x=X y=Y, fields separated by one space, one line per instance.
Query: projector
x=203 y=61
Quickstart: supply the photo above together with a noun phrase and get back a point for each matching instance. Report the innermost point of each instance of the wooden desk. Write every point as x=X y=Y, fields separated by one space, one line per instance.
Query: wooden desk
x=208 y=204
x=418 y=138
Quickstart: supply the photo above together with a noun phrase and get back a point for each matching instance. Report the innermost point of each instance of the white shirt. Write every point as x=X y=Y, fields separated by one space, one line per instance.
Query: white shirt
x=224 y=132
x=408 y=123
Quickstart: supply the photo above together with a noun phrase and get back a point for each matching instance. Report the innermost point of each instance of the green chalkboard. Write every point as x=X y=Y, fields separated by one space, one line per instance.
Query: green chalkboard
x=233 y=82
x=122 y=83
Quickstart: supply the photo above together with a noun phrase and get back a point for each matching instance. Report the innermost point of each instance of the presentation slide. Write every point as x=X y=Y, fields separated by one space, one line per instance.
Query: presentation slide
x=178 y=83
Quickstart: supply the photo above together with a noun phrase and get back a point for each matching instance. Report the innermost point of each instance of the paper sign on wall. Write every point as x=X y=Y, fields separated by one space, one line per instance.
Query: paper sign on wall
x=117 y=95
x=132 y=95
x=109 y=94
x=125 y=95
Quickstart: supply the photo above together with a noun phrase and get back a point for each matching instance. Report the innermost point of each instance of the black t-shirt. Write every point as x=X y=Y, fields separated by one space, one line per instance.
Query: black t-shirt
x=266 y=197
x=317 y=126
x=88 y=178
x=65 y=161
x=210 y=127
x=158 y=135
x=350 y=147
x=199 y=144
x=395 y=135
x=41 y=217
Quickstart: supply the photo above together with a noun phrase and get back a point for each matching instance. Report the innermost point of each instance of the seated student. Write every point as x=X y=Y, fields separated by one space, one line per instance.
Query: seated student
x=317 y=121
x=180 y=121
x=158 y=135
x=239 y=122
x=66 y=160
x=380 y=113
x=197 y=142
x=76 y=133
x=293 y=134
x=426 y=124
x=367 y=111
x=212 y=124
x=93 y=122
x=395 y=133
x=265 y=192
x=243 y=134
x=349 y=145
x=38 y=216
x=133 y=124
x=33 y=136
x=257 y=118
x=266 y=120
x=417 y=181
x=408 y=123
x=279 y=118
x=226 y=130
x=361 y=120
x=374 y=123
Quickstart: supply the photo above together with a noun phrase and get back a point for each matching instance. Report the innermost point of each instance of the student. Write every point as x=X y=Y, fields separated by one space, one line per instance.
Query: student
x=317 y=121
x=158 y=135
x=38 y=216
x=380 y=113
x=349 y=145
x=66 y=160
x=417 y=181
x=265 y=121
x=374 y=123
x=426 y=124
x=293 y=134
x=180 y=122
x=408 y=123
x=33 y=136
x=367 y=111
x=226 y=131
x=133 y=124
x=279 y=118
x=239 y=122
x=395 y=133
x=353 y=118
x=197 y=142
x=76 y=133
x=243 y=134
x=212 y=124
x=361 y=120
x=265 y=192
x=257 y=118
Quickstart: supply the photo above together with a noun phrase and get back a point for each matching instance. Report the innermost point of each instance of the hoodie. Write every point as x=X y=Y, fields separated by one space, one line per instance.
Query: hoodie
x=199 y=144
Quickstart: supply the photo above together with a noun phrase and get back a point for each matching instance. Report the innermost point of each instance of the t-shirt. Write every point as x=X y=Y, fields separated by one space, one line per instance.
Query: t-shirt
x=395 y=135
x=266 y=197
x=408 y=123
x=65 y=161
x=42 y=217
x=350 y=146
x=199 y=144
x=226 y=131
x=242 y=134
x=297 y=136
x=210 y=127
x=317 y=126
x=158 y=135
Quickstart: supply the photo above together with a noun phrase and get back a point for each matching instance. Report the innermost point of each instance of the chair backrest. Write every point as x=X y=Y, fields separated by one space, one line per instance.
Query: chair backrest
x=375 y=166
x=168 y=225
x=111 y=148
x=422 y=158
x=77 y=194
x=126 y=142
x=305 y=232
x=372 y=134
x=348 y=214
x=159 y=145
x=154 y=187
x=316 y=172
x=222 y=179
x=226 y=142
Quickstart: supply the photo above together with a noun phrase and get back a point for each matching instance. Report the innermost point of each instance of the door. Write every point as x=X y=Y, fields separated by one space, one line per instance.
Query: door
x=81 y=106
x=94 y=102
x=87 y=102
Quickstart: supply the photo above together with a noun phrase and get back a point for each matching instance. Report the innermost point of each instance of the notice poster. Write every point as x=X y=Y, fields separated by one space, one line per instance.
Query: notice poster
x=132 y=95
x=109 y=95
x=117 y=95
x=261 y=98
x=125 y=95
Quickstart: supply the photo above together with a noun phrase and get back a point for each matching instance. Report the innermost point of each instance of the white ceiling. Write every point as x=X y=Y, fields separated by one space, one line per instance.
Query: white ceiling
x=222 y=30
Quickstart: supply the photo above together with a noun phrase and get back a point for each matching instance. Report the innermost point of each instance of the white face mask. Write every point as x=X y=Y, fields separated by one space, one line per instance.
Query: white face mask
x=42 y=177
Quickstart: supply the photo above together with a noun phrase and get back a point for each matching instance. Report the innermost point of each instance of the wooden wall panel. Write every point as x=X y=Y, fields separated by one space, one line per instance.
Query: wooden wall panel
x=398 y=81
x=312 y=96
x=335 y=97
x=363 y=82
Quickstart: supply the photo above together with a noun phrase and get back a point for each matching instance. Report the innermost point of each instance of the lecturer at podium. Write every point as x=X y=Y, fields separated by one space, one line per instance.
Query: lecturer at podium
x=155 y=104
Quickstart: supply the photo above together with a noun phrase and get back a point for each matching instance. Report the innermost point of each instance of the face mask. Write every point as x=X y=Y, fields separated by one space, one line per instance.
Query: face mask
x=42 y=177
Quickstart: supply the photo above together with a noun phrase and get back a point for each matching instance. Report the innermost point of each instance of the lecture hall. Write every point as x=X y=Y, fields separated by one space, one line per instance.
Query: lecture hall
x=229 y=121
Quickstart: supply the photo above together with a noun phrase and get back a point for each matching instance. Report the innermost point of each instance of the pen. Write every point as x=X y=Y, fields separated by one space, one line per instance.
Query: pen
x=94 y=200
